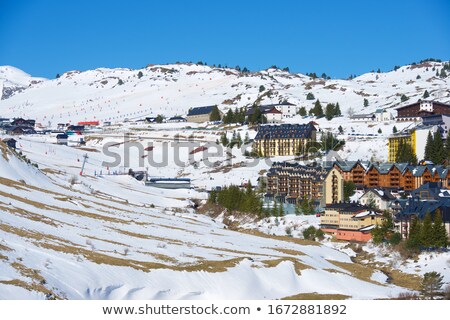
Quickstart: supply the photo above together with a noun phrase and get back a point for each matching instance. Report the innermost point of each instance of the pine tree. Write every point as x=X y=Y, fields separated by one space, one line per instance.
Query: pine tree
x=380 y=131
x=275 y=208
x=239 y=140
x=415 y=228
x=394 y=129
x=329 y=111
x=366 y=102
x=228 y=118
x=443 y=74
x=261 y=88
x=318 y=111
x=426 y=94
x=429 y=147
x=431 y=284
x=404 y=98
x=426 y=233
x=247 y=138
x=447 y=147
x=140 y=74
x=337 y=110
x=438 y=146
x=341 y=130
x=215 y=114
x=281 y=211
x=440 y=237
x=302 y=111
x=310 y=96
x=224 y=140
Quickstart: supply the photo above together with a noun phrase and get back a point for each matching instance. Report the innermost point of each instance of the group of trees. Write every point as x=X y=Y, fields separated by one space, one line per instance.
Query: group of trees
x=384 y=232
x=427 y=233
x=236 y=140
x=405 y=153
x=435 y=150
x=313 y=75
x=332 y=110
x=236 y=116
x=234 y=198
x=305 y=206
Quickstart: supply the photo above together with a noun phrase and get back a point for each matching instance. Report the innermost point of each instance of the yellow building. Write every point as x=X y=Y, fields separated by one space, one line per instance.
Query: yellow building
x=284 y=139
x=396 y=139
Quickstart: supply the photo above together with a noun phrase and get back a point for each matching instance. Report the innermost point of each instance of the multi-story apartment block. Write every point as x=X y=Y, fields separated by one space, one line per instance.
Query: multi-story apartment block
x=284 y=139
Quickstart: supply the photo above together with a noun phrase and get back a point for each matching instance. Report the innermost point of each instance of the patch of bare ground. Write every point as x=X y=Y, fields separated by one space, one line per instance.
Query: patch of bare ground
x=289 y=251
x=358 y=271
x=317 y=296
x=302 y=242
x=298 y=266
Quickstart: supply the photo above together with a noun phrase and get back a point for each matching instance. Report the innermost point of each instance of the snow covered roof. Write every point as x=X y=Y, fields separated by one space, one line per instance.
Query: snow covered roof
x=368 y=228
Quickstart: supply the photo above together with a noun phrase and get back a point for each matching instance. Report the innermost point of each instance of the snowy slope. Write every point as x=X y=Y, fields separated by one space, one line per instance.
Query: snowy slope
x=116 y=94
x=111 y=237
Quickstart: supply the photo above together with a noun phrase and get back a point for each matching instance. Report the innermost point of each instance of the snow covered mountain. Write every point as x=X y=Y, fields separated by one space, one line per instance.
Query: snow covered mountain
x=116 y=94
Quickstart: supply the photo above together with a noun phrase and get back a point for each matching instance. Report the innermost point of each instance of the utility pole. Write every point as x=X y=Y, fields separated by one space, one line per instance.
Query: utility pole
x=84 y=163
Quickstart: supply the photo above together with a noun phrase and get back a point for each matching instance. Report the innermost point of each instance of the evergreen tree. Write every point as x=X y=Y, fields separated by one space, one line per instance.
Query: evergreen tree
x=302 y=111
x=405 y=153
x=229 y=116
x=426 y=94
x=281 y=211
x=275 y=208
x=447 y=147
x=140 y=74
x=438 y=146
x=426 y=233
x=379 y=130
x=329 y=111
x=57 y=76
x=366 y=102
x=341 y=130
x=224 y=140
x=394 y=129
x=349 y=189
x=414 y=235
x=404 y=98
x=318 y=111
x=261 y=88
x=429 y=147
x=431 y=284
x=310 y=96
x=337 y=110
x=120 y=82
x=247 y=138
x=239 y=140
x=440 y=237
x=443 y=74
x=215 y=114
x=159 y=118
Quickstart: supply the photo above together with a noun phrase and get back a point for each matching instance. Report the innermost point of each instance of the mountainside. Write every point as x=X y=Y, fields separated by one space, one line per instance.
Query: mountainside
x=111 y=237
x=116 y=94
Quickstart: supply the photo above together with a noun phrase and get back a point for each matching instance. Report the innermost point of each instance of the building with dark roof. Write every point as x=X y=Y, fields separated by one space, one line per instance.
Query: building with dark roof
x=201 y=114
x=422 y=108
x=10 y=142
x=176 y=119
x=416 y=208
x=284 y=139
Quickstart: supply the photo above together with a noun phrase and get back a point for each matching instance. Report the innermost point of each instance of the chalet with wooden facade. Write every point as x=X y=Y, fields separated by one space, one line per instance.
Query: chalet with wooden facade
x=284 y=139
x=421 y=108
x=392 y=175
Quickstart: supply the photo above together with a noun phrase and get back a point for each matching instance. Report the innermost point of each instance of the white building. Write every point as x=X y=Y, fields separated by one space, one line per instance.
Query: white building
x=377 y=198
x=420 y=136
x=382 y=115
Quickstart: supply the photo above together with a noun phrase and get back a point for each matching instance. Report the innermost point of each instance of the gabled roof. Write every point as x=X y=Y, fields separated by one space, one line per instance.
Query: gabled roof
x=383 y=194
x=200 y=110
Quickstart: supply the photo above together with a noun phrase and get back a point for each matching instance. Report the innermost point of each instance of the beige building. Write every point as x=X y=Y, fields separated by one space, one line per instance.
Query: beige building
x=333 y=187
x=284 y=139
x=201 y=114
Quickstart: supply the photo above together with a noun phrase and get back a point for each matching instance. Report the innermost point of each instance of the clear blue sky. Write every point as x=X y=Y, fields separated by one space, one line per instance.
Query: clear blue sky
x=47 y=37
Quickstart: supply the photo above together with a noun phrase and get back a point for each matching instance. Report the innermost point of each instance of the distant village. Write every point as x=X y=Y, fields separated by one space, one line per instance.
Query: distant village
x=351 y=198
